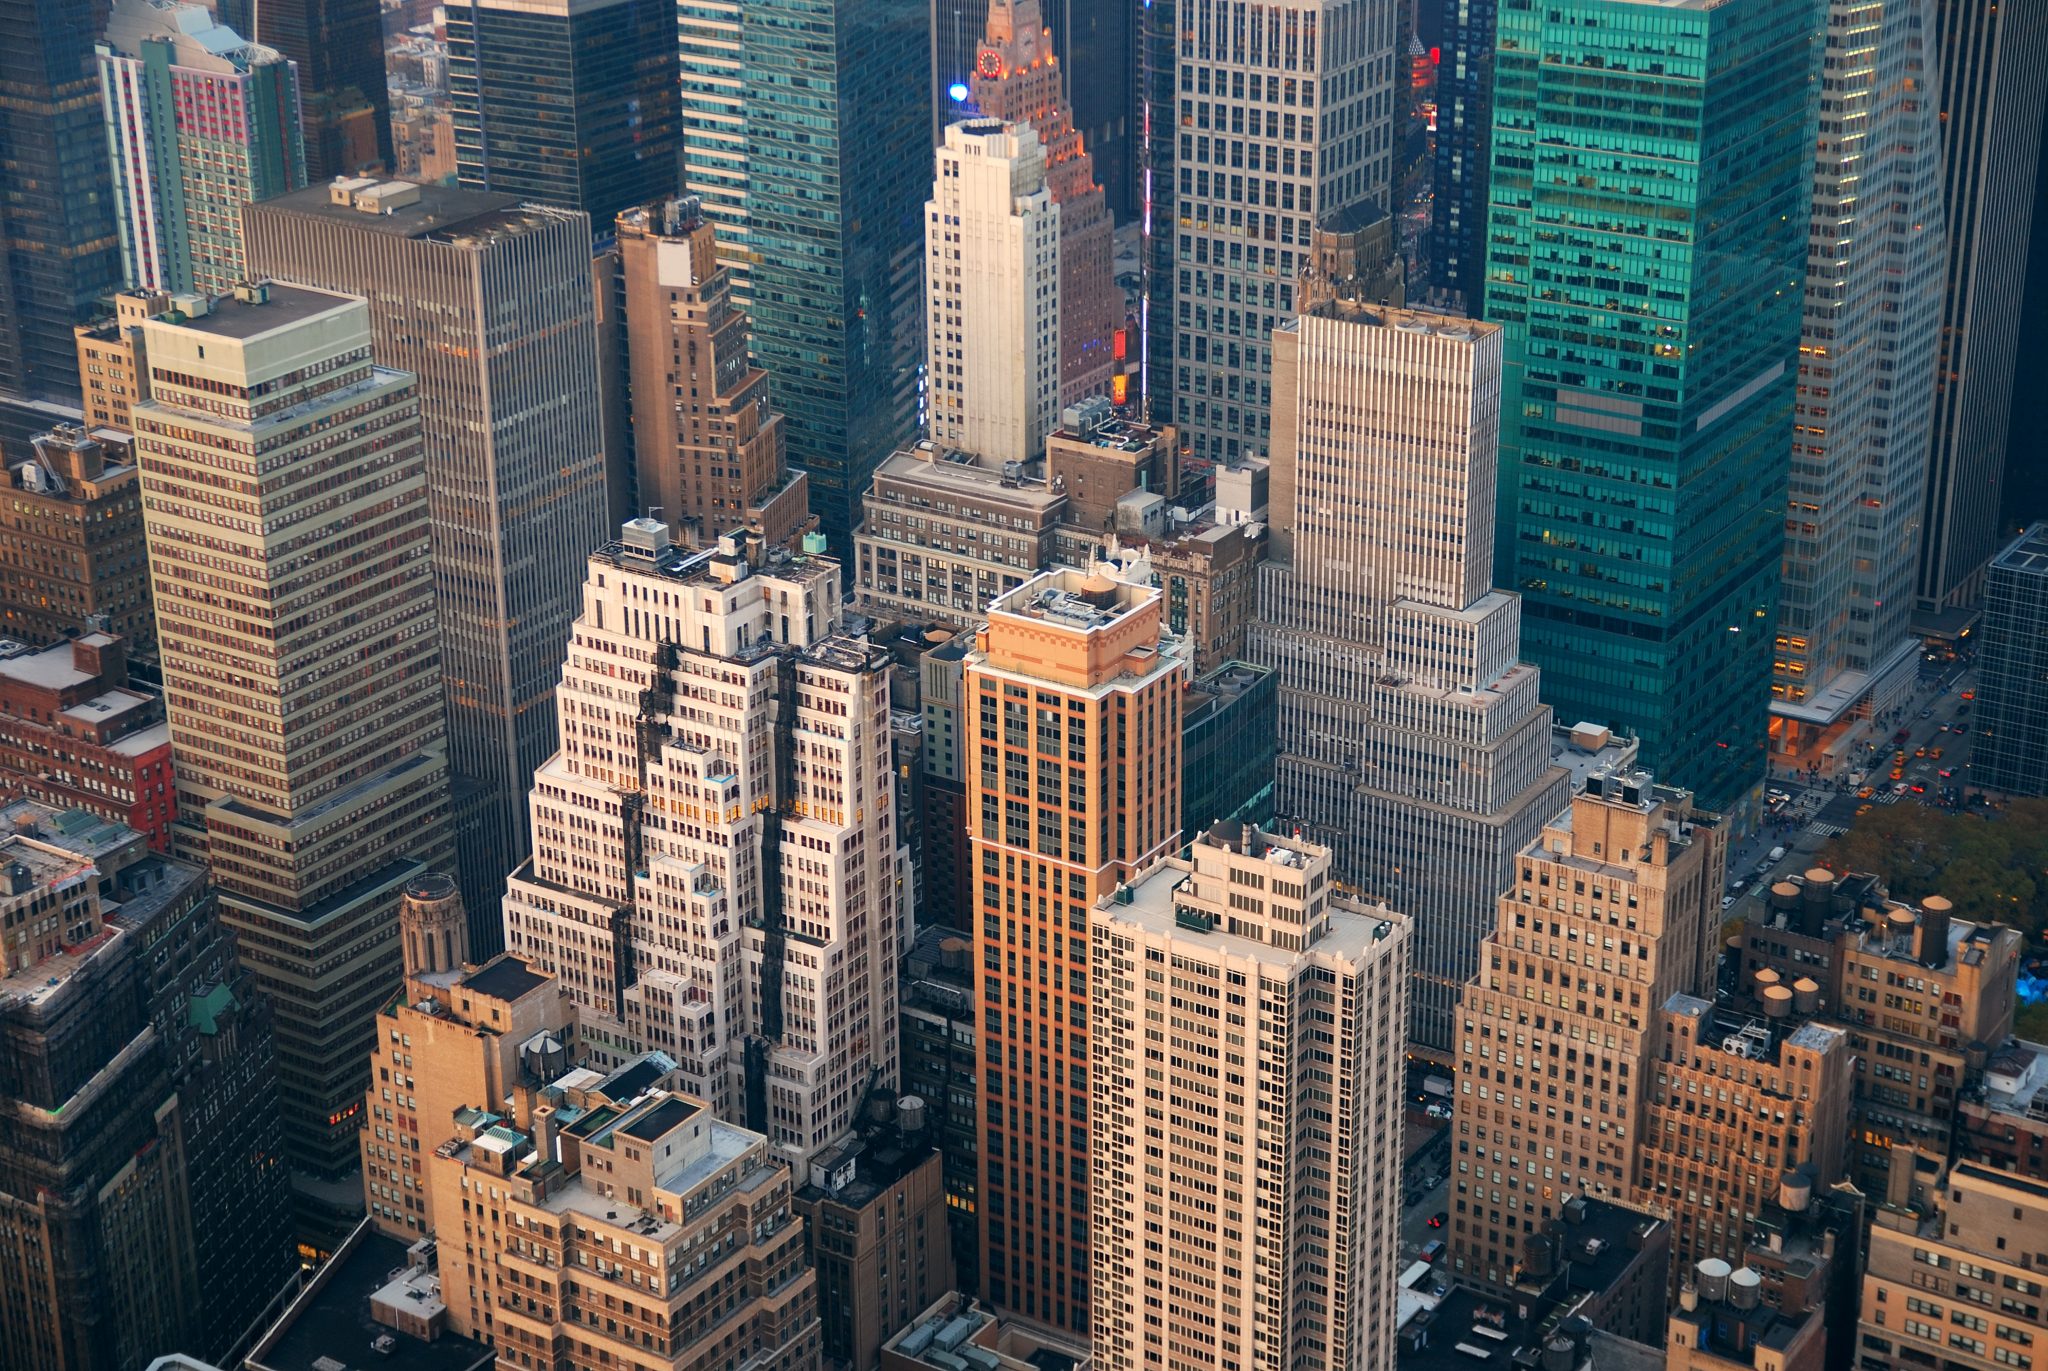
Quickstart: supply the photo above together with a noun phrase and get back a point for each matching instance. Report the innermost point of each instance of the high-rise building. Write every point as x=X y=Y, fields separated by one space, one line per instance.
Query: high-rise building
x=59 y=250
x=940 y=1066
x=141 y=1161
x=1613 y=909
x=72 y=549
x=1647 y=408
x=1285 y=126
x=1864 y=403
x=818 y=215
x=1073 y=691
x=1230 y=732
x=1954 y=1277
x=992 y=292
x=1993 y=85
x=708 y=449
x=958 y=30
x=488 y=303
x=338 y=47
x=284 y=493
x=113 y=369
x=1155 y=48
x=1464 y=133
x=74 y=732
x=1245 y=1190
x=1414 y=742
x=601 y=134
x=2011 y=752
x=714 y=861
x=1019 y=78
x=948 y=892
x=200 y=121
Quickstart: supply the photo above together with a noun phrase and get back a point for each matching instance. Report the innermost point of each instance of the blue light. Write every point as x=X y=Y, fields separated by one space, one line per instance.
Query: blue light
x=958 y=90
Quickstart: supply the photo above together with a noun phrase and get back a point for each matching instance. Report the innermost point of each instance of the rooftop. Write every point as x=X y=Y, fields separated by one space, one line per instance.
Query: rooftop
x=882 y=1156
x=2026 y=554
x=282 y=306
x=330 y=1323
x=1453 y=327
x=1083 y=601
x=966 y=475
x=504 y=978
x=447 y=214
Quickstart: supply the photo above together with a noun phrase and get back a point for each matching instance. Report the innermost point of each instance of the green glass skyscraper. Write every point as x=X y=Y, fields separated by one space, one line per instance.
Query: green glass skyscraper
x=1646 y=250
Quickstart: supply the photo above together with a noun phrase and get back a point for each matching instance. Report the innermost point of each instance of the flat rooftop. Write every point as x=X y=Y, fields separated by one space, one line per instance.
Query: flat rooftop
x=332 y=1324
x=2027 y=554
x=504 y=978
x=964 y=475
x=228 y=317
x=448 y=213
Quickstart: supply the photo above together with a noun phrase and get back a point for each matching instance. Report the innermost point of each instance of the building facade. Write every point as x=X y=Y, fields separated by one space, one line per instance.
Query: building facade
x=1672 y=379
x=112 y=367
x=72 y=532
x=941 y=1066
x=1018 y=77
x=714 y=873
x=338 y=48
x=2011 y=746
x=1229 y=741
x=60 y=251
x=1863 y=409
x=1241 y=1215
x=199 y=123
x=711 y=460
x=277 y=462
x=1073 y=693
x=1993 y=85
x=488 y=303
x=1631 y=863
x=1285 y=125
x=1416 y=745
x=992 y=287
x=818 y=197
x=601 y=135
x=74 y=733
x=141 y=1163
x=1464 y=133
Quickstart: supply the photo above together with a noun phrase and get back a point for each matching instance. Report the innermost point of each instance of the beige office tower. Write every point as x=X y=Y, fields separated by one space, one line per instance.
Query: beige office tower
x=1412 y=739
x=1954 y=1275
x=1613 y=909
x=715 y=872
x=1072 y=696
x=992 y=293
x=1018 y=78
x=1247 y=1100
x=707 y=447
x=285 y=500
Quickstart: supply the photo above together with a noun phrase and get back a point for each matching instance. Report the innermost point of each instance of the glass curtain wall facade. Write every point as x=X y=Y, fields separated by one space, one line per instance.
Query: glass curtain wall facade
x=1651 y=175
x=1464 y=119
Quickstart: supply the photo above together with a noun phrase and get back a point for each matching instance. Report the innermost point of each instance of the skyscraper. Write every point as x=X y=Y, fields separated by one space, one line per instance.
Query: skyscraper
x=600 y=133
x=488 y=302
x=1993 y=84
x=1286 y=125
x=992 y=292
x=1414 y=744
x=284 y=493
x=59 y=249
x=1862 y=413
x=338 y=47
x=1154 y=59
x=1073 y=696
x=1645 y=258
x=1464 y=129
x=1284 y=1256
x=199 y=122
x=820 y=221
x=1019 y=77
x=141 y=1163
x=2012 y=684
x=1633 y=870
x=707 y=445
x=714 y=871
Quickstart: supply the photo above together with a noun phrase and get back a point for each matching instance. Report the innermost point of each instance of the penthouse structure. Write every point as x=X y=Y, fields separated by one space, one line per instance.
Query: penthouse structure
x=715 y=872
x=71 y=541
x=75 y=734
x=1417 y=748
x=487 y=302
x=112 y=365
x=708 y=448
x=1612 y=911
x=1073 y=691
x=285 y=497
x=1240 y=1215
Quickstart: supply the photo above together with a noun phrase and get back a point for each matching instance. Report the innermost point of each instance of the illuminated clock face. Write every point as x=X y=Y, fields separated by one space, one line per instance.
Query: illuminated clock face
x=990 y=64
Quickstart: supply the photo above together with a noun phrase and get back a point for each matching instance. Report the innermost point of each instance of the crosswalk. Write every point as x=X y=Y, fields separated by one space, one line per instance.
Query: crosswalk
x=1828 y=830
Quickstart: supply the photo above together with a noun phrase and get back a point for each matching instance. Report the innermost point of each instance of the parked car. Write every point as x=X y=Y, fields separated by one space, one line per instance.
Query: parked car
x=1440 y=1218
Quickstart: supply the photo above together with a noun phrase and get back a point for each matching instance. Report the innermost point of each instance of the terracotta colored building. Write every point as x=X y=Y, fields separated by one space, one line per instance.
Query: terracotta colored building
x=71 y=540
x=76 y=735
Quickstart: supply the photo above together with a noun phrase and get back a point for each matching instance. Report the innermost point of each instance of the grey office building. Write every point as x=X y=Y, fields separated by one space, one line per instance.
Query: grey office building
x=488 y=301
x=2012 y=670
